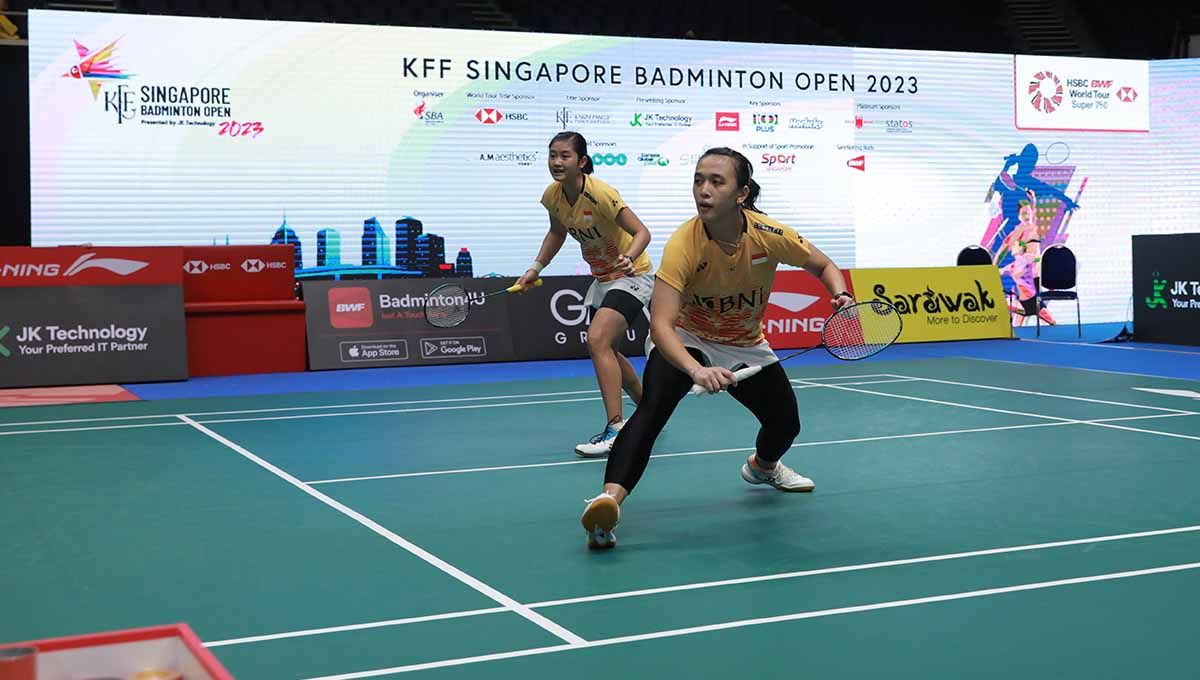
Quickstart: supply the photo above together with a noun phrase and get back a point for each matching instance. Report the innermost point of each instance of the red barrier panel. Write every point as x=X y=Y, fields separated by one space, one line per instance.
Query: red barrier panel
x=242 y=315
x=233 y=273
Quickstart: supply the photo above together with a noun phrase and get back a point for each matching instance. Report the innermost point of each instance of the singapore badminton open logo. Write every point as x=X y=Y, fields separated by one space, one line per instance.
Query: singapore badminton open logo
x=1045 y=92
x=95 y=67
x=98 y=67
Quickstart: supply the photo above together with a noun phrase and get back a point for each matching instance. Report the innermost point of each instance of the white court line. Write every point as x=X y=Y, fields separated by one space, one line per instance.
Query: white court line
x=744 y=623
x=426 y=556
x=302 y=416
x=285 y=409
x=940 y=402
x=423 y=409
x=1096 y=423
x=719 y=584
x=355 y=626
x=92 y=429
x=344 y=414
x=1136 y=429
x=1049 y=394
x=1110 y=346
x=707 y=452
x=1071 y=368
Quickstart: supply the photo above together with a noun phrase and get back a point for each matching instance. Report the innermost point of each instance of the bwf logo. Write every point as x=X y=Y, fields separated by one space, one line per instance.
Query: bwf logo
x=350 y=307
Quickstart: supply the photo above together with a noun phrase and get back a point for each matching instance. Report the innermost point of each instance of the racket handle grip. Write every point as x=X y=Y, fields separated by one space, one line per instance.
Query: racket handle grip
x=519 y=289
x=740 y=374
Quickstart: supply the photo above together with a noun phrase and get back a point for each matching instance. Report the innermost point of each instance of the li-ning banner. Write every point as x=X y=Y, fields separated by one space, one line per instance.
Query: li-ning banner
x=413 y=152
x=79 y=316
x=1166 y=288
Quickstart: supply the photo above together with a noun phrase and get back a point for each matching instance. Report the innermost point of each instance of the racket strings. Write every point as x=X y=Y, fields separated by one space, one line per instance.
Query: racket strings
x=861 y=330
x=447 y=306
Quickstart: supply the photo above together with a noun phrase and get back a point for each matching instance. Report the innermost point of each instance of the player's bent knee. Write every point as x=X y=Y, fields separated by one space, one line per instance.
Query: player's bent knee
x=787 y=429
x=600 y=341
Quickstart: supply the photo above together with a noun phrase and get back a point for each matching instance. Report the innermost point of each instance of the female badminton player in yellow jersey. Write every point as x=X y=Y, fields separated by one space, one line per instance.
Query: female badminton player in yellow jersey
x=705 y=322
x=613 y=241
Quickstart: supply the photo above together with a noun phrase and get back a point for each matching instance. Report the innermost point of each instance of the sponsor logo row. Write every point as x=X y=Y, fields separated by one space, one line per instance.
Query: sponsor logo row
x=722 y=121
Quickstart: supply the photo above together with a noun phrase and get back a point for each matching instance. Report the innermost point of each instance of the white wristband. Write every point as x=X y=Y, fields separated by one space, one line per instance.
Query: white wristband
x=537 y=266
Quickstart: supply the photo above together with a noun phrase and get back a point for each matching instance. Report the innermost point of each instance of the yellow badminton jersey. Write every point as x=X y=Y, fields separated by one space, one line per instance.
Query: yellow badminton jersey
x=593 y=222
x=725 y=296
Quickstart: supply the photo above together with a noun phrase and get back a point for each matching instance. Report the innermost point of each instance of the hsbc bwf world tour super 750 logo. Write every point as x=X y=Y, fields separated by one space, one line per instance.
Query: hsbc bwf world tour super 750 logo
x=155 y=104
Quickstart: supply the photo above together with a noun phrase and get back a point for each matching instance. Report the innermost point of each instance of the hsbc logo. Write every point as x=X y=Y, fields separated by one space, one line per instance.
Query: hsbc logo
x=195 y=266
x=489 y=116
x=350 y=307
x=858 y=163
x=253 y=266
x=728 y=121
x=1127 y=95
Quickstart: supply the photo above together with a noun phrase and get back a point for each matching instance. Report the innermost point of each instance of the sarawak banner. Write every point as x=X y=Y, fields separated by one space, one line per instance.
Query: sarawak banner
x=78 y=316
x=940 y=303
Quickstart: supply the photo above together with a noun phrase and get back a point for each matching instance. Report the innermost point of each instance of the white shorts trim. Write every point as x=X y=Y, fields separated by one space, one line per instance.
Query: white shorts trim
x=731 y=357
x=640 y=286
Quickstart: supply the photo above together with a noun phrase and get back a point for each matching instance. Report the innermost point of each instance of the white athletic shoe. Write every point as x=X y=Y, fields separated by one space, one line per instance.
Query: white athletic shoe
x=599 y=518
x=599 y=445
x=781 y=477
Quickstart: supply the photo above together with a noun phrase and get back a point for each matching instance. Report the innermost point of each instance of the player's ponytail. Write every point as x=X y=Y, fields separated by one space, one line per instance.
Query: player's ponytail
x=745 y=173
x=579 y=145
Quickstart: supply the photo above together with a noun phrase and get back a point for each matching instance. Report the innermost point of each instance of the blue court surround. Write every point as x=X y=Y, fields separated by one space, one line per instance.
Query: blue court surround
x=1058 y=346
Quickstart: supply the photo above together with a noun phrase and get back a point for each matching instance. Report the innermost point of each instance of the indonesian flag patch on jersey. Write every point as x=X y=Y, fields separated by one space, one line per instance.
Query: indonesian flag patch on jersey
x=587 y=215
x=758 y=258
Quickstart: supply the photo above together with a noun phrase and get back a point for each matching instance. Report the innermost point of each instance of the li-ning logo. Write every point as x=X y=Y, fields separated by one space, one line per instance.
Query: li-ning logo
x=730 y=121
x=793 y=302
x=1157 y=301
x=116 y=265
x=1045 y=92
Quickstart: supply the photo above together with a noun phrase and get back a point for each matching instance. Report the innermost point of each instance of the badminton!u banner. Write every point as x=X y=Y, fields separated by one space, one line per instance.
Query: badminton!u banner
x=940 y=303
